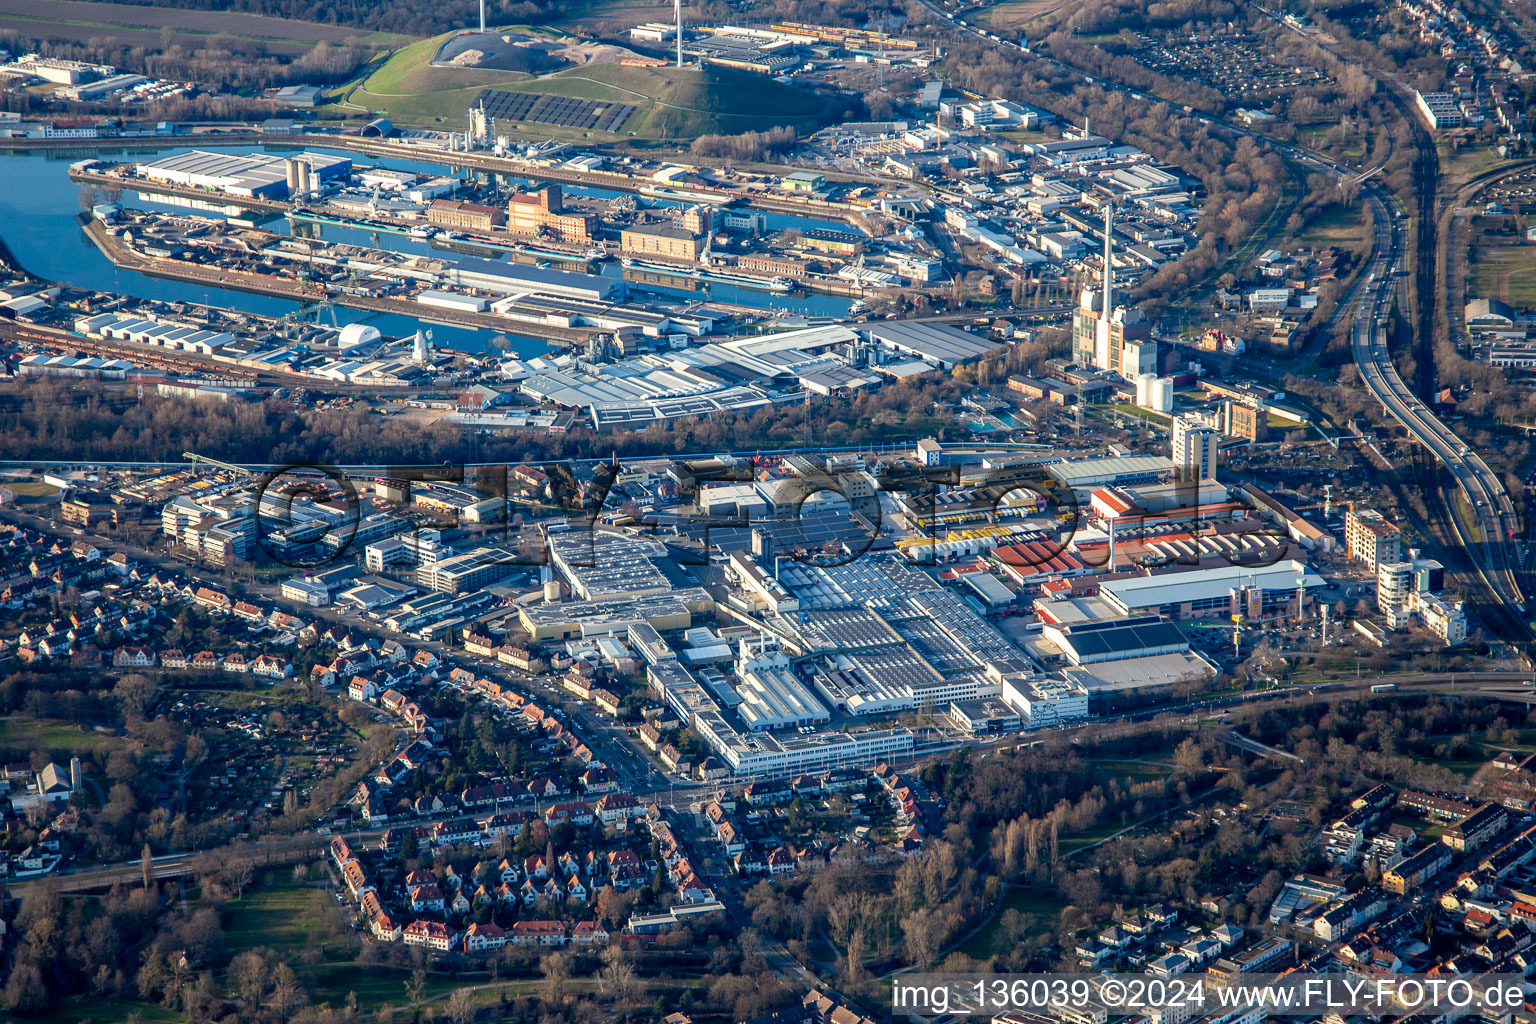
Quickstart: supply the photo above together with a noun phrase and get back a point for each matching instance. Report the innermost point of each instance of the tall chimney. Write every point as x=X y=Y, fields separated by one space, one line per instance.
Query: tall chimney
x=74 y=773
x=482 y=17
x=677 y=7
x=1109 y=266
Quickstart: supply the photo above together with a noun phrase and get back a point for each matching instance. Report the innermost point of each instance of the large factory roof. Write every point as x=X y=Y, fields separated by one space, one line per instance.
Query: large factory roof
x=238 y=172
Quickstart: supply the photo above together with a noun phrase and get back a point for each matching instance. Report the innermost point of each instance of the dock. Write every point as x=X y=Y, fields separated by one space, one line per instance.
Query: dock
x=302 y=292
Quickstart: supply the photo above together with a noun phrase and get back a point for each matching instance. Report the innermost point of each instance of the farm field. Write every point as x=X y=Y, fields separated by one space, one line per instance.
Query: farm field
x=1016 y=14
x=80 y=20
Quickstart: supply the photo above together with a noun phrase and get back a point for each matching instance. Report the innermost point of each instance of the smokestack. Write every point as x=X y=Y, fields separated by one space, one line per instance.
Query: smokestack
x=482 y=17
x=677 y=8
x=1109 y=267
x=74 y=773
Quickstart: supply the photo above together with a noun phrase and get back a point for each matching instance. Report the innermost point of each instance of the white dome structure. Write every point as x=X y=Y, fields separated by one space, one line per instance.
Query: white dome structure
x=354 y=335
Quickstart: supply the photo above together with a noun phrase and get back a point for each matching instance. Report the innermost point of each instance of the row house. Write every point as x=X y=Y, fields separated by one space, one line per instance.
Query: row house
x=498 y=825
x=456 y=830
x=482 y=646
x=520 y=658
x=390 y=841
x=489 y=795
x=213 y=600
x=576 y=813
x=538 y=933
x=249 y=612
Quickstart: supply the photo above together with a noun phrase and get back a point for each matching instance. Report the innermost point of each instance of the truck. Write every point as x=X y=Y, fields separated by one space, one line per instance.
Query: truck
x=1383 y=687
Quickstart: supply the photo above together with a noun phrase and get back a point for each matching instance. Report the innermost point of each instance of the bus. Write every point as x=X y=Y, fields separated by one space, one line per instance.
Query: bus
x=1383 y=687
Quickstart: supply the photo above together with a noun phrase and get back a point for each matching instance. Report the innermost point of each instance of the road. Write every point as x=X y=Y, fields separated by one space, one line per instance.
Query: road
x=1494 y=555
x=1484 y=493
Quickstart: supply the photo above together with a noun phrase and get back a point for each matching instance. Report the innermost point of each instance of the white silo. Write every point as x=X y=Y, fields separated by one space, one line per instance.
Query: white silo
x=1162 y=394
x=552 y=592
x=1144 y=389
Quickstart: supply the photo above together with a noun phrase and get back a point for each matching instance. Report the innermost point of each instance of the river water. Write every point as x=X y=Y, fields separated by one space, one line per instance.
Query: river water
x=39 y=202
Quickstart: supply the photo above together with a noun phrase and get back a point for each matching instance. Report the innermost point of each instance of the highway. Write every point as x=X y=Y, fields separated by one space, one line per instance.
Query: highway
x=1494 y=554
x=1485 y=496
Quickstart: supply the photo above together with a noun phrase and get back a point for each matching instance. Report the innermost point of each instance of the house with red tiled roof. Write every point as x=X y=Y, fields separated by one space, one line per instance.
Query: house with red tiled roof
x=589 y=933
x=538 y=933
x=479 y=937
x=431 y=934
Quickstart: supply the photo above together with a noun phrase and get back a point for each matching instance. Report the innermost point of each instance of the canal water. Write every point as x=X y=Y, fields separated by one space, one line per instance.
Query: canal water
x=39 y=203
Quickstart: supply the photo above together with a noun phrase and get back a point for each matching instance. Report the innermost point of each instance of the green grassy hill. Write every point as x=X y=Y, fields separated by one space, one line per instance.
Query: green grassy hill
x=673 y=103
x=688 y=102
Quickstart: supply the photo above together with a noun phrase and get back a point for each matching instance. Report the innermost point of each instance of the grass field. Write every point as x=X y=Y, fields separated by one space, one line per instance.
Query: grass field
x=31 y=489
x=18 y=732
x=676 y=103
x=110 y=1011
x=79 y=20
x=278 y=913
x=412 y=91
x=1338 y=226
x=1502 y=269
x=1040 y=909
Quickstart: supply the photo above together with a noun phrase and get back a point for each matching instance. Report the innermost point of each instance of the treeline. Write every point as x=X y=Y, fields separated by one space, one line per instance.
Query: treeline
x=48 y=420
x=224 y=62
x=747 y=146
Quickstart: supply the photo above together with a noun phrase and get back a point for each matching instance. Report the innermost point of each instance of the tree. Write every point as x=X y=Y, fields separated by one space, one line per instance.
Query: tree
x=921 y=929
x=248 y=972
x=415 y=986
x=147 y=866
x=461 y=1006
x=557 y=971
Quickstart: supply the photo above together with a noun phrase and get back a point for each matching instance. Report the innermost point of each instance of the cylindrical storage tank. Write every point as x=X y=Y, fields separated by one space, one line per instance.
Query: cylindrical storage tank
x=1144 y=389
x=552 y=592
x=1162 y=394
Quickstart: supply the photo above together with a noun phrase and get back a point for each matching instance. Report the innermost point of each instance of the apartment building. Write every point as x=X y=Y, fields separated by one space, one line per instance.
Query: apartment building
x=1369 y=537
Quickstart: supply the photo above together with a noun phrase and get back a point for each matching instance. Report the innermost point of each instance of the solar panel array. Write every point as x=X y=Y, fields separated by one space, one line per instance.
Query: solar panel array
x=1117 y=639
x=567 y=111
